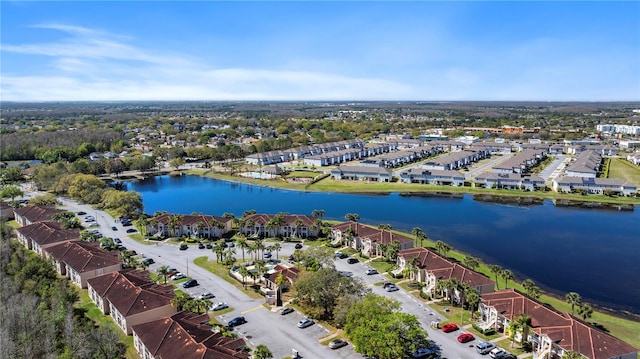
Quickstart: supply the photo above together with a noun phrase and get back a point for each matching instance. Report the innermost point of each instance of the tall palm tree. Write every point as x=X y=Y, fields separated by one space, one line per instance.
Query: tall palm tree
x=179 y=300
x=142 y=223
x=496 y=269
x=260 y=246
x=318 y=213
x=452 y=284
x=441 y=286
x=228 y=255
x=218 y=249
x=250 y=224
x=200 y=227
x=164 y=272
x=251 y=249
x=242 y=244
x=524 y=321
x=244 y=272
x=473 y=299
x=574 y=299
x=507 y=275
x=419 y=234
x=471 y=262
x=585 y=311
x=276 y=247
x=512 y=328
x=442 y=248
x=384 y=226
x=297 y=224
x=261 y=268
x=352 y=217
x=528 y=286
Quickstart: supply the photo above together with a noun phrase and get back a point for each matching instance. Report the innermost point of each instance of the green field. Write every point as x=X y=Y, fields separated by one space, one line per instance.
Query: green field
x=621 y=168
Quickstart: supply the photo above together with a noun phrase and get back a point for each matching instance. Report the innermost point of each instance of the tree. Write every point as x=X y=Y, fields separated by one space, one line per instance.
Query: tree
x=442 y=248
x=122 y=203
x=507 y=275
x=352 y=217
x=243 y=245
x=531 y=288
x=87 y=188
x=320 y=290
x=420 y=235
x=179 y=300
x=524 y=322
x=384 y=226
x=473 y=299
x=276 y=247
x=571 y=354
x=585 y=311
x=176 y=163
x=244 y=272
x=377 y=327
x=496 y=269
x=262 y=352
x=471 y=262
x=574 y=299
x=164 y=272
x=512 y=328
x=318 y=213
x=11 y=192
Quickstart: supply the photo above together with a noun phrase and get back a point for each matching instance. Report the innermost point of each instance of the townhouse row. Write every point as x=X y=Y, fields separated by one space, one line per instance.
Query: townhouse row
x=552 y=333
x=138 y=306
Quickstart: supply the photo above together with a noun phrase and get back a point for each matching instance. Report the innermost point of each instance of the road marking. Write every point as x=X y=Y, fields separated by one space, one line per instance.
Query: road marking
x=252 y=309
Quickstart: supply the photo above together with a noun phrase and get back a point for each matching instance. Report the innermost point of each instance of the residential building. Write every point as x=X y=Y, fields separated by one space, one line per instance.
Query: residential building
x=551 y=333
x=362 y=173
x=438 y=177
x=41 y=235
x=456 y=160
x=569 y=184
x=585 y=164
x=131 y=298
x=430 y=267
x=370 y=241
x=31 y=214
x=185 y=335
x=80 y=261
x=289 y=274
x=279 y=225
x=510 y=181
x=189 y=225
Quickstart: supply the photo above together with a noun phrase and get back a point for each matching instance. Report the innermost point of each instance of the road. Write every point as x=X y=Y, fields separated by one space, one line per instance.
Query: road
x=264 y=326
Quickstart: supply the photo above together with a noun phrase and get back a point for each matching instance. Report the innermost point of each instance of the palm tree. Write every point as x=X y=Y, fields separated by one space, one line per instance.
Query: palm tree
x=251 y=249
x=507 y=275
x=277 y=247
x=441 y=286
x=248 y=212
x=452 y=284
x=570 y=354
x=528 y=286
x=384 y=226
x=473 y=298
x=524 y=322
x=164 y=272
x=512 y=327
x=174 y=223
x=416 y=231
x=352 y=217
x=259 y=249
x=250 y=224
x=244 y=272
x=242 y=244
x=318 y=213
x=200 y=227
x=262 y=352
x=574 y=299
x=585 y=311
x=297 y=224
x=142 y=223
x=180 y=300
x=496 y=269
x=413 y=266
x=261 y=268
x=228 y=256
x=471 y=262
x=218 y=249
x=442 y=248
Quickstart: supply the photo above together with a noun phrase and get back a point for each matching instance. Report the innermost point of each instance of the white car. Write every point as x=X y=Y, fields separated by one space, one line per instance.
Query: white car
x=496 y=352
x=178 y=276
x=206 y=295
x=219 y=306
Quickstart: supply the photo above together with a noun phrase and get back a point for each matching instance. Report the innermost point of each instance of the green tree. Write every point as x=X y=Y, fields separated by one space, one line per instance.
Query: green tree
x=244 y=273
x=471 y=262
x=11 y=192
x=574 y=299
x=524 y=323
x=122 y=203
x=507 y=275
x=164 y=272
x=496 y=269
x=44 y=200
x=87 y=188
x=262 y=352
x=176 y=163
x=585 y=311
x=243 y=245
x=377 y=327
x=443 y=248
x=571 y=354
x=352 y=217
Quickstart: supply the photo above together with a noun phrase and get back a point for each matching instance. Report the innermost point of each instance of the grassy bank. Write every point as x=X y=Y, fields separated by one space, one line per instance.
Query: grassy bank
x=331 y=185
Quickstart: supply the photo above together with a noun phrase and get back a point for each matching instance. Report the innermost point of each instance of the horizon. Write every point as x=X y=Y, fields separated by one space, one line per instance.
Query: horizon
x=320 y=52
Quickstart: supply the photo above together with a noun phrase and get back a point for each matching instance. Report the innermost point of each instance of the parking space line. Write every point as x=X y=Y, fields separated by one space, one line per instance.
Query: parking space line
x=252 y=309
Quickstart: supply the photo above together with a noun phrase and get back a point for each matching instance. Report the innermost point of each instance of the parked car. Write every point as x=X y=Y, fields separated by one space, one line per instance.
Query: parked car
x=114 y=228
x=201 y=245
x=219 y=306
x=485 y=347
x=190 y=283
x=236 y=321
x=465 y=337
x=305 y=322
x=94 y=224
x=371 y=272
x=337 y=343
x=423 y=353
x=346 y=273
x=267 y=255
x=132 y=230
x=82 y=213
x=451 y=327
x=209 y=246
x=206 y=295
x=148 y=261
x=178 y=276
x=352 y=260
x=505 y=355
x=298 y=246
x=286 y=310
x=341 y=255
x=391 y=288
x=496 y=352
x=117 y=240
x=183 y=247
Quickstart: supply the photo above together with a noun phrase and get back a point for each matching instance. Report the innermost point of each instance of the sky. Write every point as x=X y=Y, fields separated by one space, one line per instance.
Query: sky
x=319 y=51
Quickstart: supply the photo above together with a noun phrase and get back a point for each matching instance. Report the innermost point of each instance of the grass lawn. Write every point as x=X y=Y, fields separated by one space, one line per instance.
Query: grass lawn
x=222 y=271
x=93 y=313
x=381 y=266
x=506 y=345
x=621 y=168
x=303 y=174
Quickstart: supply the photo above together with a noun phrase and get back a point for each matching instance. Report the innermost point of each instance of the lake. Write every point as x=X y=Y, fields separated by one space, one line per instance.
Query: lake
x=593 y=252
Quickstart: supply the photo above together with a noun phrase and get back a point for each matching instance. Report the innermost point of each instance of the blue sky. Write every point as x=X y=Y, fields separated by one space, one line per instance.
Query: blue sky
x=358 y=50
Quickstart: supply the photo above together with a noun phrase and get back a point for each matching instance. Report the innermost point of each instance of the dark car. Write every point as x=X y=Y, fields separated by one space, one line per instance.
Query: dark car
x=114 y=228
x=352 y=260
x=183 y=247
x=132 y=230
x=337 y=343
x=200 y=245
x=148 y=261
x=423 y=353
x=341 y=255
x=448 y=328
x=190 y=283
x=236 y=321
x=505 y=355
x=208 y=246
x=82 y=213
x=117 y=240
x=286 y=310
x=298 y=245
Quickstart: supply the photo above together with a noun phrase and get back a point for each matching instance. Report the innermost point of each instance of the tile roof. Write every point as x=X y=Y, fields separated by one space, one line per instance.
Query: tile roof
x=191 y=219
x=47 y=233
x=83 y=256
x=563 y=329
x=442 y=268
x=289 y=219
x=37 y=213
x=186 y=335
x=290 y=273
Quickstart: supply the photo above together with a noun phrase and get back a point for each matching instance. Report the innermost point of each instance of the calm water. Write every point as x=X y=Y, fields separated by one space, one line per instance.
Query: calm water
x=593 y=252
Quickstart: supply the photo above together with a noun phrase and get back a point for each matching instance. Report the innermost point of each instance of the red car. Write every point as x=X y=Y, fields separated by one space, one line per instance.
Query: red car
x=448 y=328
x=465 y=337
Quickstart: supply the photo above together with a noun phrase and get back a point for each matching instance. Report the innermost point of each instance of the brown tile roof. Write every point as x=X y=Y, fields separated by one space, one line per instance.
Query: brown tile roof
x=186 y=335
x=191 y=219
x=130 y=294
x=444 y=269
x=37 y=213
x=83 y=256
x=385 y=236
x=47 y=233
x=289 y=219
x=563 y=329
x=359 y=229
x=290 y=273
